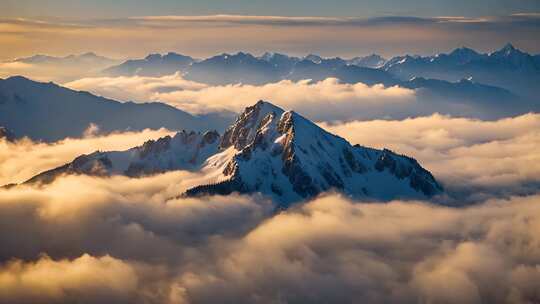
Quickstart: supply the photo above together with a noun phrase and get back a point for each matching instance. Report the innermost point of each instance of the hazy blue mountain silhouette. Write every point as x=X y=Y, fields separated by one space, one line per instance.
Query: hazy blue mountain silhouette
x=46 y=111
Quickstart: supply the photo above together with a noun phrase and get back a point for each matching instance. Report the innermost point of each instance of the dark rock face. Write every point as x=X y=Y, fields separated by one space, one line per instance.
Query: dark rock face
x=222 y=188
x=420 y=178
x=245 y=126
x=300 y=180
x=87 y=164
x=6 y=134
x=155 y=146
x=210 y=137
x=352 y=162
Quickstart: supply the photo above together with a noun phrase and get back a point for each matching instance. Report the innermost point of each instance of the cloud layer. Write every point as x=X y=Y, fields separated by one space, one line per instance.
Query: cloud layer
x=148 y=247
x=324 y=100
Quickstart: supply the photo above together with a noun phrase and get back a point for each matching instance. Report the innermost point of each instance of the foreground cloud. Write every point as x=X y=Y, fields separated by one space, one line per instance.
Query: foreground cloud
x=96 y=280
x=149 y=247
x=473 y=158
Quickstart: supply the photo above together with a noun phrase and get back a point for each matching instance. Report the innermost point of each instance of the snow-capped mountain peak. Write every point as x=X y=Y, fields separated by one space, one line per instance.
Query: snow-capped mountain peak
x=288 y=157
x=269 y=150
x=246 y=125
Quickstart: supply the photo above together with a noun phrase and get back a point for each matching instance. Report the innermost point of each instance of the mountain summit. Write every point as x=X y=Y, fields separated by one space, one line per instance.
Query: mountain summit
x=284 y=155
x=268 y=150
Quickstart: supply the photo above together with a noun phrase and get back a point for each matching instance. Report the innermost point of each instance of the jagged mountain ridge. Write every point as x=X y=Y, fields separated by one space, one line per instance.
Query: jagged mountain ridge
x=268 y=150
x=152 y=65
x=276 y=64
x=507 y=68
x=504 y=77
x=184 y=151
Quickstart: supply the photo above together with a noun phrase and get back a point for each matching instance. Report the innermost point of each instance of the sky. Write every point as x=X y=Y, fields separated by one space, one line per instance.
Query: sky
x=205 y=28
x=362 y=8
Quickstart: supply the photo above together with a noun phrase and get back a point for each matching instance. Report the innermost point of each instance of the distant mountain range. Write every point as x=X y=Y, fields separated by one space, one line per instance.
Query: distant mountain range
x=90 y=59
x=46 y=111
x=508 y=68
x=246 y=68
x=268 y=150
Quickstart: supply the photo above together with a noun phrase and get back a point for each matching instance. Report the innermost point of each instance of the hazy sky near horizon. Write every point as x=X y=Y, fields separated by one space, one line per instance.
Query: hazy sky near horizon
x=134 y=28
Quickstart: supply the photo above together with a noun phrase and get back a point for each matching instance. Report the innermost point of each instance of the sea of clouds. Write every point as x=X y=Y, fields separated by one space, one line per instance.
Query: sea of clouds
x=134 y=240
x=96 y=240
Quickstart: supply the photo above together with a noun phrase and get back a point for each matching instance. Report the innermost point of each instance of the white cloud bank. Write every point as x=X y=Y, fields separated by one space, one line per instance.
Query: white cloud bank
x=324 y=100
